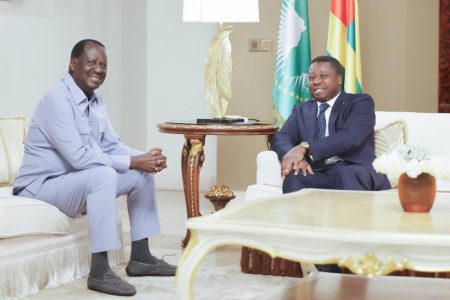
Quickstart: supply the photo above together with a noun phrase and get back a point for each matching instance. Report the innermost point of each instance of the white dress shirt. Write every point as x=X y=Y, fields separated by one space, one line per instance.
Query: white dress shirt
x=331 y=102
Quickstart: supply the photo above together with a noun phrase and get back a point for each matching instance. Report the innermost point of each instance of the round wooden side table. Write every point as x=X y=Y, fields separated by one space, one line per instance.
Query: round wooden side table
x=192 y=154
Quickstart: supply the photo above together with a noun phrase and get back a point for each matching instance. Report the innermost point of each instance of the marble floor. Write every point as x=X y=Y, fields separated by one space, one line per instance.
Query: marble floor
x=219 y=277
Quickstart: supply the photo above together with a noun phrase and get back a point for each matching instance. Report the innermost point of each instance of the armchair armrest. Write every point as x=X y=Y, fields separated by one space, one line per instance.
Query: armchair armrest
x=268 y=169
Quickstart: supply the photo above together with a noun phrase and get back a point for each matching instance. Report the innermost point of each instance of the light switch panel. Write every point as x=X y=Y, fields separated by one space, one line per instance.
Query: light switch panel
x=266 y=45
x=259 y=45
x=254 y=45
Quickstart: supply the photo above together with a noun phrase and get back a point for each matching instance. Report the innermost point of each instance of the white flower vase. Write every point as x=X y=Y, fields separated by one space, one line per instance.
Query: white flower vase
x=417 y=194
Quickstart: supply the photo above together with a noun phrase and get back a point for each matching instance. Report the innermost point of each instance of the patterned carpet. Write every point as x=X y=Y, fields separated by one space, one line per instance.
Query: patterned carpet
x=218 y=278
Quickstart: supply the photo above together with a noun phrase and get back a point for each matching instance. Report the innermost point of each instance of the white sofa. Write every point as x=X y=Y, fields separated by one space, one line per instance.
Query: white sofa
x=428 y=129
x=39 y=245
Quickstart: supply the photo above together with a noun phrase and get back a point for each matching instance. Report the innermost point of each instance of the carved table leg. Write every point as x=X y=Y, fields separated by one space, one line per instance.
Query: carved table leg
x=192 y=158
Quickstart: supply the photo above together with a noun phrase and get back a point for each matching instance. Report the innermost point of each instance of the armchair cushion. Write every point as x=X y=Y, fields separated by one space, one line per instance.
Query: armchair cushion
x=24 y=216
x=389 y=137
x=12 y=136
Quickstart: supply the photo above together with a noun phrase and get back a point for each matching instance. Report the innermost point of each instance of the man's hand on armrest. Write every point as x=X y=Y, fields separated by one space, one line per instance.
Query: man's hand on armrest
x=152 y=161
x=295 y=160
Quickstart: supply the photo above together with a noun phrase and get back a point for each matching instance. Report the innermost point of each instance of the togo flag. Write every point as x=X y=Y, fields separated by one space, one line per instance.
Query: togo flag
x=293 y=57
x=343 y=41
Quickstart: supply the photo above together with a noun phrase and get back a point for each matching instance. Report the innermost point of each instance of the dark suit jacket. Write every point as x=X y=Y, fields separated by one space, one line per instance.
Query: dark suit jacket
x=351 y=133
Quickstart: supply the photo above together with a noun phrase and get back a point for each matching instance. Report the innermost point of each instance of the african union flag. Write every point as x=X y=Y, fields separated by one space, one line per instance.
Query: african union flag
x=290 y=84
x=343 y=41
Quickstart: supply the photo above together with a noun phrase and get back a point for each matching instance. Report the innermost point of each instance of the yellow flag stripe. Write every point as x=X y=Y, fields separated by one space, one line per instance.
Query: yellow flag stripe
x=337 y=36
x=350 y=70
x=338 y=47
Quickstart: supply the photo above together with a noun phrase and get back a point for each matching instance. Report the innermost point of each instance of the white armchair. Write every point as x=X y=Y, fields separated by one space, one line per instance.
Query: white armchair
x=391 y=127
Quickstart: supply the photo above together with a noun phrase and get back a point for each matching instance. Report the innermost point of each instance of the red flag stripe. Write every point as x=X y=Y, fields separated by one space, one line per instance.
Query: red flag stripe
x=344 y=10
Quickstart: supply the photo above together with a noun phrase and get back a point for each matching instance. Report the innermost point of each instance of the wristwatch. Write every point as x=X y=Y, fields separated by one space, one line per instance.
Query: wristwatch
x=306 y=146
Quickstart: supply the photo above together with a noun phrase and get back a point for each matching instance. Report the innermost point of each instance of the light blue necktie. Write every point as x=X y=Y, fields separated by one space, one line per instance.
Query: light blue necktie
x=321 y=123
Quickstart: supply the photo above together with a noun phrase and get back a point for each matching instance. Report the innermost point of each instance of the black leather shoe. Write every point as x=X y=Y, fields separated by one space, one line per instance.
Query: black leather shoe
x=160 y=268
x=330 y=268
x=111 y=284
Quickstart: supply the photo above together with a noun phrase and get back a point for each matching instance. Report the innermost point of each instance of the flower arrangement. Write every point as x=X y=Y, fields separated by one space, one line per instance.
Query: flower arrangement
x=412 y=160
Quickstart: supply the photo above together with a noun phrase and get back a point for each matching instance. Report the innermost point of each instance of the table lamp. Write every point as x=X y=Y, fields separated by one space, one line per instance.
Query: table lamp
x=218 y=64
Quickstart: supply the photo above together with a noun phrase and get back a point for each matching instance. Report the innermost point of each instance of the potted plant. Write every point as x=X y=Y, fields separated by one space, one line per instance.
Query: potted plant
x=416 y=168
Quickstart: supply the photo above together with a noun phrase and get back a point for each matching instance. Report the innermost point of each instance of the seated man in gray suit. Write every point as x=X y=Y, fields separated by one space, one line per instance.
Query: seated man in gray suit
x=75 y=161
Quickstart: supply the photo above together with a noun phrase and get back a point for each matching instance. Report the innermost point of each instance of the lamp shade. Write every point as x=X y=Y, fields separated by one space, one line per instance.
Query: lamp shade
x=220 y=11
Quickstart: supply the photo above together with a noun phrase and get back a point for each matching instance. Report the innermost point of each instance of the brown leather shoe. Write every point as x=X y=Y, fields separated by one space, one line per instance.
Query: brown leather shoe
x=111 y=284
x=160 y=268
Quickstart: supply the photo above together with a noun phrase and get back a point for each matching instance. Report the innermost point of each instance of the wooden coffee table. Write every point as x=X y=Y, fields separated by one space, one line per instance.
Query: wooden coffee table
x=366 y=232
x=192 y=154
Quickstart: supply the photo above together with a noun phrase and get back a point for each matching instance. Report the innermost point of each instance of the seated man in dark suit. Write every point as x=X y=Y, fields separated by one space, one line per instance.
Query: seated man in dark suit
x=328 y=142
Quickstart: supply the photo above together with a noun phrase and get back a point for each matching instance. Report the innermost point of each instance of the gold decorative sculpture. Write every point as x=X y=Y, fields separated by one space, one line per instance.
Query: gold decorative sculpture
x=218 y=73
x=221 y=191
x=220 y=195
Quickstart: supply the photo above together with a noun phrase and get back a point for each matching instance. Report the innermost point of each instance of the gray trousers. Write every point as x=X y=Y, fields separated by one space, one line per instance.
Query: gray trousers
x=94 y=191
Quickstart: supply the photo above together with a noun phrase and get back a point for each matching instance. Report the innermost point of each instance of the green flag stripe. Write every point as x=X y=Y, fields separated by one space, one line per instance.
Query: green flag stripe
x=358 y=87
x=292 y=60
x=351 y=38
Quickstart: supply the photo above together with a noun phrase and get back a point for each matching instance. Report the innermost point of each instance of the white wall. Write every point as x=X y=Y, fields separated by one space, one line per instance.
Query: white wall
x=36 y=39
x=134 y=76
x=176 y=54
x=154 y=66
